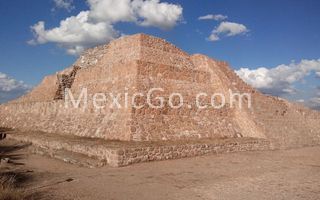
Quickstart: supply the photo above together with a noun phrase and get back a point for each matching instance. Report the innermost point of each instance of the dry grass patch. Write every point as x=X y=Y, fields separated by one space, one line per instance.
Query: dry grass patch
x=9 y=189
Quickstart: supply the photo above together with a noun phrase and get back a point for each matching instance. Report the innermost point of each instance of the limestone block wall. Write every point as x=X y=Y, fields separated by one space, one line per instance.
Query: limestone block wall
x=108 y=68
x=286 y=124
x=45 y=91
x=222 y=79
x=138 y=63
x=183 y=150
x=53 y=117
x=186 y=122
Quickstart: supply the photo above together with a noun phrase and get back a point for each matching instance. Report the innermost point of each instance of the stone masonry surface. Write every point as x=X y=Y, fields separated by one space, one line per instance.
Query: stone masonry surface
x=120 y=153
x=138 y=63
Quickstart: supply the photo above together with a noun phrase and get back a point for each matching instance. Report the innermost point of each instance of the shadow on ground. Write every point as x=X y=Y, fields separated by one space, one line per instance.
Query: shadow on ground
x=13 y=175
x=7 y=153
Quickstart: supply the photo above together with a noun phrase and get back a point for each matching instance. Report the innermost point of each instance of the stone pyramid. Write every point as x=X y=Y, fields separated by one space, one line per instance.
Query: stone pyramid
x=137 y=63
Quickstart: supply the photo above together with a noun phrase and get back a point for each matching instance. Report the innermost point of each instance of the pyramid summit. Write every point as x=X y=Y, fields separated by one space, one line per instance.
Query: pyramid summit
x=138 y=65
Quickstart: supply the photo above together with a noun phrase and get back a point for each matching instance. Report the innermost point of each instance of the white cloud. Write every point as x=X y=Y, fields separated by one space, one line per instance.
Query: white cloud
x=111 y=11
x=316 y=100
x=95 y=26
x=154 y=13
x=217 y=17
x=11 y=88
x=279 y=80
x=313 y=103
x=75 y=33
x=64 y=4
x=318 y=74
x=227 y=29
x=213 y=37
x=143 y=12
x=231 y=28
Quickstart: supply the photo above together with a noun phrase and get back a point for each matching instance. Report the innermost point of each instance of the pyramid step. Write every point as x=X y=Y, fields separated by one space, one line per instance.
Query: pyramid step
x=92 y=152
x=68 y=157
x=72 y=149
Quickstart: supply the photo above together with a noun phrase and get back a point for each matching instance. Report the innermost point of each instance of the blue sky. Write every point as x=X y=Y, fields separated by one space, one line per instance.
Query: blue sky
x=283 y=36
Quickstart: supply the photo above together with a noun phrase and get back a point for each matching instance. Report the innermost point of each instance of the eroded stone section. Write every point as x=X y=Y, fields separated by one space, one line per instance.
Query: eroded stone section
x=65 y=81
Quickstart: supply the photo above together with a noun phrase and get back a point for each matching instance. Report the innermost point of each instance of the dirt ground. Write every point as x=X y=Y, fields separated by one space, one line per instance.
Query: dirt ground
x=285 y=174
